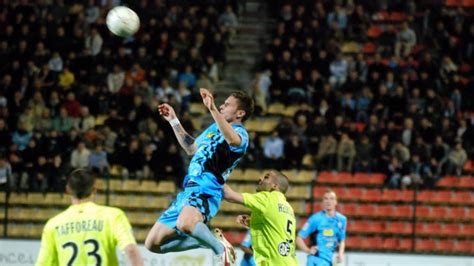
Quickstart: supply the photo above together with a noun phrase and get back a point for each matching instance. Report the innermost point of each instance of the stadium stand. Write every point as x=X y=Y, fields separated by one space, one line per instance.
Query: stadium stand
x=351 y=114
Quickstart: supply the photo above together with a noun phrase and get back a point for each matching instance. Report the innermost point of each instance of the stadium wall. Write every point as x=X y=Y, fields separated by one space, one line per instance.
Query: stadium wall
x=24 y=252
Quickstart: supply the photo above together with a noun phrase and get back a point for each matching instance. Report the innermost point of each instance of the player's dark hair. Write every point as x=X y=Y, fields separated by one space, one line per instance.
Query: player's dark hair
x=245 y=103
x=80 y=183
x=282 y=180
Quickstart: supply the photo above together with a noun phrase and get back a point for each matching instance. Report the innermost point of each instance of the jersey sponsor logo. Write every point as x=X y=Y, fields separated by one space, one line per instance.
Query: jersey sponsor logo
x=284 y=248
x=210 y=134
x=328 y=232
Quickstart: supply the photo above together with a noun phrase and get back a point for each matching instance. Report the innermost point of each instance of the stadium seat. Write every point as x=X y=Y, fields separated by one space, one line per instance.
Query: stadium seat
x=391 y=195
x=466 y=182
x=276 y=109
x=452 y=229
x=369 y=48
x=446 y=246
x=350 y=48
x=251 y=174
x=425 y=245
x=406 y=244
x=457 y=213
x=442 y=197
x=431 y=229
x=468 y=229
x=349 y=209
x=464 y=246
x=371 y=243
x=425 y=196
x=236 y=174
x=390 y=244
x=403 y=211
x=384 y=210
x=367 y=210
x=399 y=228
x=374 y=32
x=354 y=193
x=298 y=192
x=423 y=212
x=439 y=212
x=407 y=195
x=372 y=195
x=463 y=197
x=448 y=182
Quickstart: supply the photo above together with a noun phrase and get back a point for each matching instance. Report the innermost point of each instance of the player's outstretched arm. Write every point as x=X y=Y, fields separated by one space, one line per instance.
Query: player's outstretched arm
x=133 y=255
x=232 y=196
x=185 y=140
x=230 y=136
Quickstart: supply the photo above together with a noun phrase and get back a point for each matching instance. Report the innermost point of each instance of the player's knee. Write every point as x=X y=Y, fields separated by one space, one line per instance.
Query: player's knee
x=152 y=243
x=185 y=225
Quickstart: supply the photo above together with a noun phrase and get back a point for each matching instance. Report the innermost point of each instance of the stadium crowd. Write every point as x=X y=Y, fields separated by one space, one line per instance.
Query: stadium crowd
x=73 y=95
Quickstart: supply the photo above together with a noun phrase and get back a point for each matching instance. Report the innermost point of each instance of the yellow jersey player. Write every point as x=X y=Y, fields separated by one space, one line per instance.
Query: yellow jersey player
x=87 y=233
x=272 y=220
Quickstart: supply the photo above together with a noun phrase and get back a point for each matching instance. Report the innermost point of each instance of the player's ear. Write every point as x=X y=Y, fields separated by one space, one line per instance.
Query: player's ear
x=240 y=114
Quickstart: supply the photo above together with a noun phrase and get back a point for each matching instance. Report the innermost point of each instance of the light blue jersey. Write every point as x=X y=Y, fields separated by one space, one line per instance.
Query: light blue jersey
x=247 y=260
x=329 y=231
x=208 y=170
x=215 y=156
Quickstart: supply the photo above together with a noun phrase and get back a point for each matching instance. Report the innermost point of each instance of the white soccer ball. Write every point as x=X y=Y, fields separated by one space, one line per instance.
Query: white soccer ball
x=122 y=21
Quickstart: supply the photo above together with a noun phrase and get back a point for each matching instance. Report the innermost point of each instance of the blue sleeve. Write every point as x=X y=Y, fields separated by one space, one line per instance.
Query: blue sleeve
x=342 y=231
x=247 y=241
x=309 y=227
x=244 y=137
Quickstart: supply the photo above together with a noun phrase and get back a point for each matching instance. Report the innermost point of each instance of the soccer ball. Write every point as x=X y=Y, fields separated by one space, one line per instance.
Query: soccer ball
x=122 y=21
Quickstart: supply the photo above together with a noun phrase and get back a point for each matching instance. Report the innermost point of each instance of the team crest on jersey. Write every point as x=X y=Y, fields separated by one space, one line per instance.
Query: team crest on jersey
x=328 y=232
x=284 y=248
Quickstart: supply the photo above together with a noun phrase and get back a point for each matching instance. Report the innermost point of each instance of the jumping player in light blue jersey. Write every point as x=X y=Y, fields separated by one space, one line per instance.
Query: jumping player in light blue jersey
x=216 y=152
x=329 y=227
x=246 y=247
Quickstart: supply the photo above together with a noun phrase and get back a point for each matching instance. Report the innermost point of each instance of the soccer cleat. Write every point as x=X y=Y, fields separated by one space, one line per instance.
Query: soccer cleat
x=229 y=255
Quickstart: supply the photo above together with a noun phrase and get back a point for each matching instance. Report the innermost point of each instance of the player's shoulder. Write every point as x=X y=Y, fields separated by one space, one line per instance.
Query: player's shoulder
x=341 y=216
x=317 y=216
x=239 y=128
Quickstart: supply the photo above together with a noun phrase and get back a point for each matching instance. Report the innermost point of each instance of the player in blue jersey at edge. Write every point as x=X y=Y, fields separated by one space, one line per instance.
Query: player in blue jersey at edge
x=329 y=227
x=216 y=152
x=246 y=247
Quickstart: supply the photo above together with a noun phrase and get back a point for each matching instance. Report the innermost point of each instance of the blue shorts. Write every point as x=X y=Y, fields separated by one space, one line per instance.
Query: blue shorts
x=317 y=261
x=206 y=199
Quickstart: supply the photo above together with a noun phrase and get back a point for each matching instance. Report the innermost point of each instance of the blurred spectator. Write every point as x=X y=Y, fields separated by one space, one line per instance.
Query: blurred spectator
x=132 y=160
x=394 y=173
x=294 y=151
x=326 y=155
x=406 y=40
x=273 y=151
x=454 y=162
x=98 y=160
x=80 y=156
x=339 y=71
x=63 y=123
x=21 y=137
x=346 y=152
x=5 y=173
x=115 y=79
x=94 y=42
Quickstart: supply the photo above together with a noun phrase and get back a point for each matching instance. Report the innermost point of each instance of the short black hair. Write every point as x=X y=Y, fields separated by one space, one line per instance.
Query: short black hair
x=80 y=183
x=245 y=103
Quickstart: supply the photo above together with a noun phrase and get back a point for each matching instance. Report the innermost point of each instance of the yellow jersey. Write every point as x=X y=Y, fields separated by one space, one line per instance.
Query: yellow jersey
x=272 y=228
x=85 y=234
